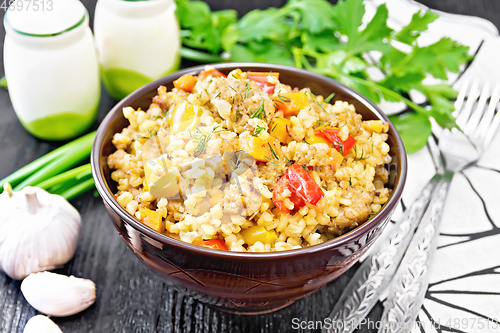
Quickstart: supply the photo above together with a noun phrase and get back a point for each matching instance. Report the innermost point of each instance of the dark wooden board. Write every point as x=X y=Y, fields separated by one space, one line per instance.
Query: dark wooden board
x=129 y=297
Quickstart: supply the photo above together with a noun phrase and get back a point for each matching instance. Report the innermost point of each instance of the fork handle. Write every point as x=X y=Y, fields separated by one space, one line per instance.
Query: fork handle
x=408 y=288
x=375 y=273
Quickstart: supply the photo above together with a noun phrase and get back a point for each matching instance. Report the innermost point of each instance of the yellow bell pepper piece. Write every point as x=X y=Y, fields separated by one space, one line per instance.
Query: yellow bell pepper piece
x=256 y=147
x=159 y=180
x=279 y=129
x=317 y=139
x=258 y=233
x=185 y=116
x=152 y=219
x=291 y=103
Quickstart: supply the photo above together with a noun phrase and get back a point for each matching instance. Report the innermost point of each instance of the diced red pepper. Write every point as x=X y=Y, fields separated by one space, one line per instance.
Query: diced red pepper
x=281 y=185
x=215 y=244
x=261 y=79
x=302 y=186
x=332 y=135
x=209 y=70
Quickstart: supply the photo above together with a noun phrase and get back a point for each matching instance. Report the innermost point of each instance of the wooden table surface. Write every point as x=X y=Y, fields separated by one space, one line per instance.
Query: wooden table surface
x=129 y=297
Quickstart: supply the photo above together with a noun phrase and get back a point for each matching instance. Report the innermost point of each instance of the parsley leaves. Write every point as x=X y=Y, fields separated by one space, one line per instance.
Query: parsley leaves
x=332 y=40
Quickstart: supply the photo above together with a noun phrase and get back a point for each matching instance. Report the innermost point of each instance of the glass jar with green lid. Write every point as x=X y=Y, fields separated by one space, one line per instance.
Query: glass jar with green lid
x=138 y=41
x=51 y=67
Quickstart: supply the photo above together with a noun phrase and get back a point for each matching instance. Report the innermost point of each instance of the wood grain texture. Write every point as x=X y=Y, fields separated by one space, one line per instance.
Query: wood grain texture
x=130 y=298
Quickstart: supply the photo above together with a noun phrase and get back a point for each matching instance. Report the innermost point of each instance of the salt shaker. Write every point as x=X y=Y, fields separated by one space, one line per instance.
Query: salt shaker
x=137 y=42
x=51 y=67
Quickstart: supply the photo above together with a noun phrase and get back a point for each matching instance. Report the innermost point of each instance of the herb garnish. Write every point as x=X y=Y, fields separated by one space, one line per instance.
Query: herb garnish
x=258 y=113
x=258 y=130
x=361 y=157
x=284 y=99
x=329 y=98
x=333 y=40
x=247 y=90
x=317 y=102
x=151 y=134
x=202 y=139
x=321 y=123
x=273 y=152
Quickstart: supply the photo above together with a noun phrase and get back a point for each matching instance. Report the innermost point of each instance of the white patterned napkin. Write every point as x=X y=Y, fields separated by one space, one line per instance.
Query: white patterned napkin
x=464 y=290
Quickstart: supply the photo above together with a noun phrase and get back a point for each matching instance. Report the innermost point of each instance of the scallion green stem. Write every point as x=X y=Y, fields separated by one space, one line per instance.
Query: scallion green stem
x=76 y=153
x=73 y=174
x=78 y=189
x=26 y=171
x=199 y=56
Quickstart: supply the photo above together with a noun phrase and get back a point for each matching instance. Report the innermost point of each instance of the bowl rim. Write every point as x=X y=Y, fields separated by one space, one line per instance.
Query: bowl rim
x=109 y=199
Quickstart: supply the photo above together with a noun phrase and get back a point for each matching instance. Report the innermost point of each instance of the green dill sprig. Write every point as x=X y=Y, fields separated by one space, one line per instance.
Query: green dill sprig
x=258 y=113
x=306 y=142
x=371 y=215
x=321 y=123
x=247 y=90
x=151 y=133
x=315 y=100
x=273 y=152
x=258 y=130
x=202 y=139
x=339 y=146
x=217 y=95
x=283 y=99
x=274 y=127
x=362 y=157
x=329 y=98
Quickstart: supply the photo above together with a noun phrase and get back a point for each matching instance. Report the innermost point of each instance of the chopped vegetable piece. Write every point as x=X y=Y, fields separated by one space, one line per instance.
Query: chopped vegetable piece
x=257 y=147
x=279 y=129
x=318 y=139
x=337 y=158
x=291 y=103
x=278 y=199
x=332 y=135
x=159 y=181
x=186 y=83
x=152 y=219
x=185 y=116
x=305 y=186
x=302 y=186
x=215 y=244
x=210 y=71
x=266 y=81
x=258 y=233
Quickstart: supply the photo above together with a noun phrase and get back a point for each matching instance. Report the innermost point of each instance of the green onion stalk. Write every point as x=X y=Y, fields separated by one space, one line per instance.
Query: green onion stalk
x=55 y=172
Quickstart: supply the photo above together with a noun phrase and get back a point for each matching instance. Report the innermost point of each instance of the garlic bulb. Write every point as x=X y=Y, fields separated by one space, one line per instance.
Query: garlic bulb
x=41 y=324
x=38 y=231
x=58 y=295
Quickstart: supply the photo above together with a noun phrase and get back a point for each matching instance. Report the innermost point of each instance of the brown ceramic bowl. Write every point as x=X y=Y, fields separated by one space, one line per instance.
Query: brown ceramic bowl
x=245 y=283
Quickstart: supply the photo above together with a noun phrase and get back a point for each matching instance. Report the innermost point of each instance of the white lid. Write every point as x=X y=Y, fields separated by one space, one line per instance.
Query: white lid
x=64 y=14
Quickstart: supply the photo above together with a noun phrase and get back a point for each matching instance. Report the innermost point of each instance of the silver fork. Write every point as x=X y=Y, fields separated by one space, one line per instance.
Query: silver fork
x=479 y=123
x=376 y=272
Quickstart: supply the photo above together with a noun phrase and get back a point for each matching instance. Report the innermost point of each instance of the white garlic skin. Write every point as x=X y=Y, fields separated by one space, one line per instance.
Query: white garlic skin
x=58 y=295
x=41 y=324
x=38 y=231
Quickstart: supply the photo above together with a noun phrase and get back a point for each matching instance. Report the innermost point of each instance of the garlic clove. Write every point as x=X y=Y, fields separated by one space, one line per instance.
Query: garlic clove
x=58 y=295
x=41 y=324
x=38 y=231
